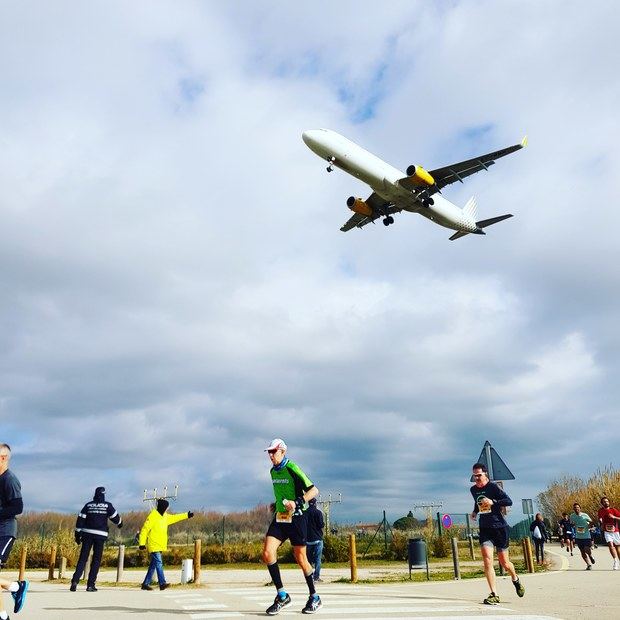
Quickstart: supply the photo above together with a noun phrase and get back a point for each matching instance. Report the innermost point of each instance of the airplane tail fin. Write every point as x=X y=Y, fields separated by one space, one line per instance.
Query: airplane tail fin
x=480 y=225
x=470 y=208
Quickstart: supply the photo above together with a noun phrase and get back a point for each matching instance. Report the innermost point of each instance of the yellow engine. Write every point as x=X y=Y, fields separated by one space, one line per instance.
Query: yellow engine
x=357 y=205
x=420 y=176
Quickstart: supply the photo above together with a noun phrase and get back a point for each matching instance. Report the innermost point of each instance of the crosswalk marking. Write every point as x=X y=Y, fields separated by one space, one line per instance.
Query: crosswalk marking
x=215 y=616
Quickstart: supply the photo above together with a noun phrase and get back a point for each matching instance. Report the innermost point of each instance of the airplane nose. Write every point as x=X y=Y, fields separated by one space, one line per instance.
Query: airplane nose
x=309 y=137
x=306 y=137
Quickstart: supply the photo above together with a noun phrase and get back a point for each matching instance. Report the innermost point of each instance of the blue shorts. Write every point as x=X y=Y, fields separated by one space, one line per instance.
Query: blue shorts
x=296 y=531
x=494 y=537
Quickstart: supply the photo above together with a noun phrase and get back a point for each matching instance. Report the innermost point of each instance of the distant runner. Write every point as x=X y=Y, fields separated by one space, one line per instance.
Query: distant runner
x=582 y=522
x=488 y=501
x=609 y=518
x=566 y=532
x=11 y=505
x=292 y=489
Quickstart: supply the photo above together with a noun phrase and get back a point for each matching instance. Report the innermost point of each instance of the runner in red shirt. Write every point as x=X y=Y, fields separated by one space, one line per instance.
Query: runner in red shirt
x=610 y=518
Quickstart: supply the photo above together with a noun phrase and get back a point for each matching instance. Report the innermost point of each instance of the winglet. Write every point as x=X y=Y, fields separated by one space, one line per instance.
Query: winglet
x=524 y=142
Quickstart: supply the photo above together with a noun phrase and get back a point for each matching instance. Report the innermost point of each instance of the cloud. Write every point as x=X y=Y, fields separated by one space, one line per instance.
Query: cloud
x=176 y=291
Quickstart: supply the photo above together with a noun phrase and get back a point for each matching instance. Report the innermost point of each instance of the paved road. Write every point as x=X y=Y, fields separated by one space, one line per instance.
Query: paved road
x=568 y=593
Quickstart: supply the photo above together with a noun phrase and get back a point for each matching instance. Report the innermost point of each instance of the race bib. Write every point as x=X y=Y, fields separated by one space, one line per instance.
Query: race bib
x=284 y=517
x=610 y=528
x=580 y=530
x=484 y=511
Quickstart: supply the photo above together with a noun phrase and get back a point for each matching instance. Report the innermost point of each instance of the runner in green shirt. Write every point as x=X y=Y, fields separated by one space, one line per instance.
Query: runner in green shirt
x=292 y=490
x=582 y=522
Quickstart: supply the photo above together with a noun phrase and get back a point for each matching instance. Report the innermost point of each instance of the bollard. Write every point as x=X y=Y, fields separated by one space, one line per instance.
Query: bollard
x=62 y=569
x=87 y=567
x=526 y=556
x=353 y=558
x=197 y=554
x=455 y=557
x=22 y=563
x=471 y=546
x=120 y=564
x=530 y=556
x=50 y=572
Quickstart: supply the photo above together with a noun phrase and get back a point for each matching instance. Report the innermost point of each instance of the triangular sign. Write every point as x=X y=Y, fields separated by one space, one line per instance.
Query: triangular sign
x=498 y=470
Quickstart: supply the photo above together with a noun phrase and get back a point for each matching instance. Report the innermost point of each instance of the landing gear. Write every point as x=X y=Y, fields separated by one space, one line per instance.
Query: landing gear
x=388 y=220
x=331 y=161
x=427 y=201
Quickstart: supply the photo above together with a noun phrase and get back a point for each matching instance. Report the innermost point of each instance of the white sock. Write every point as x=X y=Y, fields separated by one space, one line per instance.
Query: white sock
x=4 y=614
x=13 y=587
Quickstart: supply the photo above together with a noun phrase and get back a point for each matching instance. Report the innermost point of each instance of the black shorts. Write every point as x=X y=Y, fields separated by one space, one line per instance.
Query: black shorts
x=583 y=543
x=296 y=531
x=568 y=537
x=6 y=544
x=494 y=536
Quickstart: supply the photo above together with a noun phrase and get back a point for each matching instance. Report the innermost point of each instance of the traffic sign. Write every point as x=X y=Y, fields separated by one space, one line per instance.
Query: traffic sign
x=446 y=521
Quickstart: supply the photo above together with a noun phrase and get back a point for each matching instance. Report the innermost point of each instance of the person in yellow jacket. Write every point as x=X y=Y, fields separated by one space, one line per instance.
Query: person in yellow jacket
x=154 y=538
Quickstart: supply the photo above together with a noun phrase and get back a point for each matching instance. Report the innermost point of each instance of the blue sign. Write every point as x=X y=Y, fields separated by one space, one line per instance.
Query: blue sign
x=446 y=521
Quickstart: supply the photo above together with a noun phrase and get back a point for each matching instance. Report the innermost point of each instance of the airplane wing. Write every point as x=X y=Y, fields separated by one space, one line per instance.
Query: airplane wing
x=457 y=172
x=379 y=207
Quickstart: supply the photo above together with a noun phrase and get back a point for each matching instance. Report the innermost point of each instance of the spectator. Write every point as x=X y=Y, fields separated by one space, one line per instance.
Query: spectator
x=91 y=531
x=314 y=544
x=154 y=538
x=539 y=534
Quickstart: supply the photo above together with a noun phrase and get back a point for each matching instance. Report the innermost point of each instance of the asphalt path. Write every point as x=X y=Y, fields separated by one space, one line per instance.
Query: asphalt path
x=568 y=592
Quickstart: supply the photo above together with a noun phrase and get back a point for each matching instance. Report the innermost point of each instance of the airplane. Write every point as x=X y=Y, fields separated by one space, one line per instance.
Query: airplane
x=418 y=191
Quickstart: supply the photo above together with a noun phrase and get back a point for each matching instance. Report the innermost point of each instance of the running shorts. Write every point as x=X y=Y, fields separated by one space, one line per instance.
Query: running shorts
x=296 y=531
x=583 y=543
x=612 y=537
x=6 y=544
x=494 y=537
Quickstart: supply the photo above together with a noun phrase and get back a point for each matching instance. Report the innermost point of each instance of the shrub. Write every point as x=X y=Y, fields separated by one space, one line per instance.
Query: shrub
x=336 y=549
x=440 y=547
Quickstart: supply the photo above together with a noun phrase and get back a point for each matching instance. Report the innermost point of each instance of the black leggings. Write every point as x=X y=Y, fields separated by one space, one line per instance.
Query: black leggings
x=539 y=543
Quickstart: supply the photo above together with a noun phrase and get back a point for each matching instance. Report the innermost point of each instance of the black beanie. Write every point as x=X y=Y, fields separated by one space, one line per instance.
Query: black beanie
x=99 y=494
x=162 y=506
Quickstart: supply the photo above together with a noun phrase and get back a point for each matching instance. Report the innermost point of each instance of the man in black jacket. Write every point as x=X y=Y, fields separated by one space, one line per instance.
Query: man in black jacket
x=91 y=530
x=11 y=505
x=314 y=543
x=489 y=499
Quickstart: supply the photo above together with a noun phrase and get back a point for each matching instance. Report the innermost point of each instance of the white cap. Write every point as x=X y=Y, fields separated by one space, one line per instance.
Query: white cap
x=276 y=444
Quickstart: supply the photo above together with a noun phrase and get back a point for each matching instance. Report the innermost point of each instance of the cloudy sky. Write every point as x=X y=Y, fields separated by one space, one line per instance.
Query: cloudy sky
x=175 y=290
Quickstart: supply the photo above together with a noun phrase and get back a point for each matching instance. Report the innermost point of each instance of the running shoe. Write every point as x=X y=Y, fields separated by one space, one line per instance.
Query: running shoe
x=278 y=604
x=20 y=596
x=519 y=587
x=616 y=565
x=589 y=567
x=492 y=599
x=592 y=560
x=313 y=605
x=91 y=589
x=73 y=587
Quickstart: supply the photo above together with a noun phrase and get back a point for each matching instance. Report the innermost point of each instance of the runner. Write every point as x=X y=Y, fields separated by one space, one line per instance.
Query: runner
x=609 y=518
x=292 y=489
x=11 y=505
x=582 y=522
x=566 y=532
x=488 y=502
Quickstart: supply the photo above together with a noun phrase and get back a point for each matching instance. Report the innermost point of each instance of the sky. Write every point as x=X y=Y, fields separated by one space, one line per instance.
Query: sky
x=175 y=290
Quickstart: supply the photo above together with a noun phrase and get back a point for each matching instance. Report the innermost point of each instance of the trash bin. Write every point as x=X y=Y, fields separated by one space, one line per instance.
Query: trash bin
x=417 y=555
x=187 y=570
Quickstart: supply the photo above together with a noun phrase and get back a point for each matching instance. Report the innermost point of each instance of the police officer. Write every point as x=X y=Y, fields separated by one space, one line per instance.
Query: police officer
x=91 y=530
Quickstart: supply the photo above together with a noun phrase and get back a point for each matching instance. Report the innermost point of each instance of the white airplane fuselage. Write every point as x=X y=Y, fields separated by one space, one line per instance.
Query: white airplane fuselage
x=383 y=179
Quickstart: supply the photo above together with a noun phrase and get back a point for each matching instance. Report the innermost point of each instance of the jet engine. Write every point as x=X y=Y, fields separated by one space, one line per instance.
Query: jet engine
x=357 y=205
x=420 y=176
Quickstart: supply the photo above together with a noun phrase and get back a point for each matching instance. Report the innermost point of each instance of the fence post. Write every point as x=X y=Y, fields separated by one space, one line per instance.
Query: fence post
x=471 y=546
x=197 y=554
x=455 y=557
x=22 y=563
x=120 y=564
x=353 y=558
x=50 y=572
